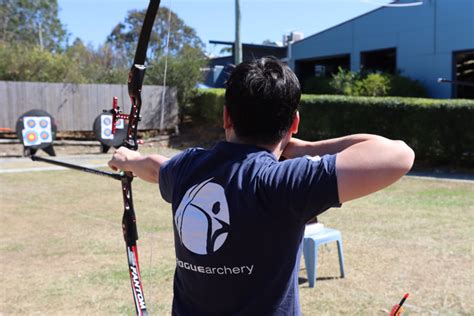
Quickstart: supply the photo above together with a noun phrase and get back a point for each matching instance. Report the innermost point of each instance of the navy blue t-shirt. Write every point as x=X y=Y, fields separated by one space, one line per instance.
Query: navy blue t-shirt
x=239 y=217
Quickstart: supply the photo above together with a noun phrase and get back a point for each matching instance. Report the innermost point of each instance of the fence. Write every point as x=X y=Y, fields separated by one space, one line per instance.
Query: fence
x=75 y=106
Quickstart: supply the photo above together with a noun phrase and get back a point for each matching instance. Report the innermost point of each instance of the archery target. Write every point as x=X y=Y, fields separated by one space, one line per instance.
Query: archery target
x=37 y=130
x=102 y=128
x=106 y=121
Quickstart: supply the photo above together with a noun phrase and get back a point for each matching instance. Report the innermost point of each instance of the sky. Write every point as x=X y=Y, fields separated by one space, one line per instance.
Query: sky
x=261 y=20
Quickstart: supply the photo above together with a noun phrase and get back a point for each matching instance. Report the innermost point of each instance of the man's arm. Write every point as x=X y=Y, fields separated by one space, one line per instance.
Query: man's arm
x=298 y=148
x=144 y=167
x=364 y=164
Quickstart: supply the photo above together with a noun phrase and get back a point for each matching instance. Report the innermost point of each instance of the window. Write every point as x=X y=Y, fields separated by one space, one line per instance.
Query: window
x=463 y=74
x=383 y=60
x=323 y=67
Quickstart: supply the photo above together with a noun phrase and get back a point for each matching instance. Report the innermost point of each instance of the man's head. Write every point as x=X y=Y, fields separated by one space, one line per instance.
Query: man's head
x=262 y=98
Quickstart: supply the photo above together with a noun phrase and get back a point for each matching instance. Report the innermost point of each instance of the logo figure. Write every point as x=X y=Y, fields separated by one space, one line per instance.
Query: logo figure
x=202 y=218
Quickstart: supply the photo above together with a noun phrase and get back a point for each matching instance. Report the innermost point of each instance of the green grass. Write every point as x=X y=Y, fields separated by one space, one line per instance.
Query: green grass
x=62 y=251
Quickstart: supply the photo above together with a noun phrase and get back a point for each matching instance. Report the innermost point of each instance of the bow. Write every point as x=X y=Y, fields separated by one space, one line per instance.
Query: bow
x=129 y=227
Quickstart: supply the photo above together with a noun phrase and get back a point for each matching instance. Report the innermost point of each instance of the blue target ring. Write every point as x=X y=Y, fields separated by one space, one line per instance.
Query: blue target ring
x=107 y=121
x=107 y=132
x=44 y=135
x=31 y=123
x=43 y=123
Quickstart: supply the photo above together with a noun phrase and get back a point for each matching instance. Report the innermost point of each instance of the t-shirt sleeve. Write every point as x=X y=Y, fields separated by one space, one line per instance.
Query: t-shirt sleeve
x=305 y=186
x=168 y=174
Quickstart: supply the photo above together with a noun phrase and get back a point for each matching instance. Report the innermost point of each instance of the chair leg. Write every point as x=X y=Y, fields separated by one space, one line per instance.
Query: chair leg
x=311 y=260
x=341 y=257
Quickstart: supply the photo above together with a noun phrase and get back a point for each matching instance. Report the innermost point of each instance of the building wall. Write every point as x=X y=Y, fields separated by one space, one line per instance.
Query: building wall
x=425 y=38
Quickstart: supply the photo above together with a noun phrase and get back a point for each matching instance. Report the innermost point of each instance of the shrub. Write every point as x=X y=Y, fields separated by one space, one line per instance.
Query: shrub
x=374 y=85
x=440 y=131
x=406 y=87
x=208 y=105
x=344 y=81
x=318 y=85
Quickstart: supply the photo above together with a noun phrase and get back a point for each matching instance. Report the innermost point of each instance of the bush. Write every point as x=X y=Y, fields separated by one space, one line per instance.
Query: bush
x=344 y=82
x=440 y=131
x=208 y=105
x=406 y=87
x=374 y=85
x=318 y=85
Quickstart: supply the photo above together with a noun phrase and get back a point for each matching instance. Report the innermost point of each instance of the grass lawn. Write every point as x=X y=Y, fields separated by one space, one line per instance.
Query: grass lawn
x=62 y=252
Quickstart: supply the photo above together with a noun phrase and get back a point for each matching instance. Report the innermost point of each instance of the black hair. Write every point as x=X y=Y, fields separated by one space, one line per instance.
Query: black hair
x=262 y=98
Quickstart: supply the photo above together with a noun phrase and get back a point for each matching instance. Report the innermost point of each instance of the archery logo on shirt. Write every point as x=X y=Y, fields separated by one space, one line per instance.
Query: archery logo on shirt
x=202 y=218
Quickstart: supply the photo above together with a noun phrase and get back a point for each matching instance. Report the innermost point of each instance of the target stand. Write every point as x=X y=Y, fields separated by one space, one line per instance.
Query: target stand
x=36 y=129
x=102 y=128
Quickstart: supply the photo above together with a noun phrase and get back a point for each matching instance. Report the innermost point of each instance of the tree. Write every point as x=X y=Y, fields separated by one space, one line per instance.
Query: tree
x=124 y=36
x=31 y=23
x=36 y=64
x=184 y=72
x=185 y=51
x=98 y=66
x=269 y=42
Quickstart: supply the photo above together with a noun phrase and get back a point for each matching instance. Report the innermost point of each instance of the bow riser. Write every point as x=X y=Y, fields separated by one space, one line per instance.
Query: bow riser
x=135 y=83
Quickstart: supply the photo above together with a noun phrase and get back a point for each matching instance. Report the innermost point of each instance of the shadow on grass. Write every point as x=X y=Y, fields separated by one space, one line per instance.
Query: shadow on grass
x=304 y=280
x=196 y=134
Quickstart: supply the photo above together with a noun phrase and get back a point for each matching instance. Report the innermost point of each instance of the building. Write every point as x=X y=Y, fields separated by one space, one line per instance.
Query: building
x=426 y=42
x=220 y=67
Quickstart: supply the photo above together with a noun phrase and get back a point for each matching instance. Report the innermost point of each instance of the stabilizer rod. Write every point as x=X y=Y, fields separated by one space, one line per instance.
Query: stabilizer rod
x=116 y=176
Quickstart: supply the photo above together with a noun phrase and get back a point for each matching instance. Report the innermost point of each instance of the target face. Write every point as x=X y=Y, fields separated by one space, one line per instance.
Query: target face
x=120 y=124
x=30 y=122
x=106 y=126
x=30 y=138
x=44 y=123
x=37 y=130
x=44 y=136
x=106 y=122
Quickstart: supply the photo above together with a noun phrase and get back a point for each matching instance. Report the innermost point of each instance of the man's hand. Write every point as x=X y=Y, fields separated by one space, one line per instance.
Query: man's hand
x=144 y=167
x=121 y=159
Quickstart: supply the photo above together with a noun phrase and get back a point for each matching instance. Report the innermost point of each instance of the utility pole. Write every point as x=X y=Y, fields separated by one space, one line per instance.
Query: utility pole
x=238 y=43
x=40 y=35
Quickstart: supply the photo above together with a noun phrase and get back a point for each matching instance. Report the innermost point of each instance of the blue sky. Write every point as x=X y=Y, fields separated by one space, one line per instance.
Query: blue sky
x=93 y=20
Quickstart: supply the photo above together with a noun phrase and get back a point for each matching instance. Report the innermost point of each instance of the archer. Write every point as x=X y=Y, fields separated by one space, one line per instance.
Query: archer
x=253 y=206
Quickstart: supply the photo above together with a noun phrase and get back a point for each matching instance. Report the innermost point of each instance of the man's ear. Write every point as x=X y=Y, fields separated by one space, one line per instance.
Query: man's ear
x=296 y=123
x=226 y=118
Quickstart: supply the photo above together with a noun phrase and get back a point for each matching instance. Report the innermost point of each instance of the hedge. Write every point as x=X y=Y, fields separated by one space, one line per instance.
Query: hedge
x=440 y=131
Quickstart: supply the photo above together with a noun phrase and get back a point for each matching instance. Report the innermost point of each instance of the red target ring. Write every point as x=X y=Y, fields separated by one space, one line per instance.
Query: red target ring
x=31 y=137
